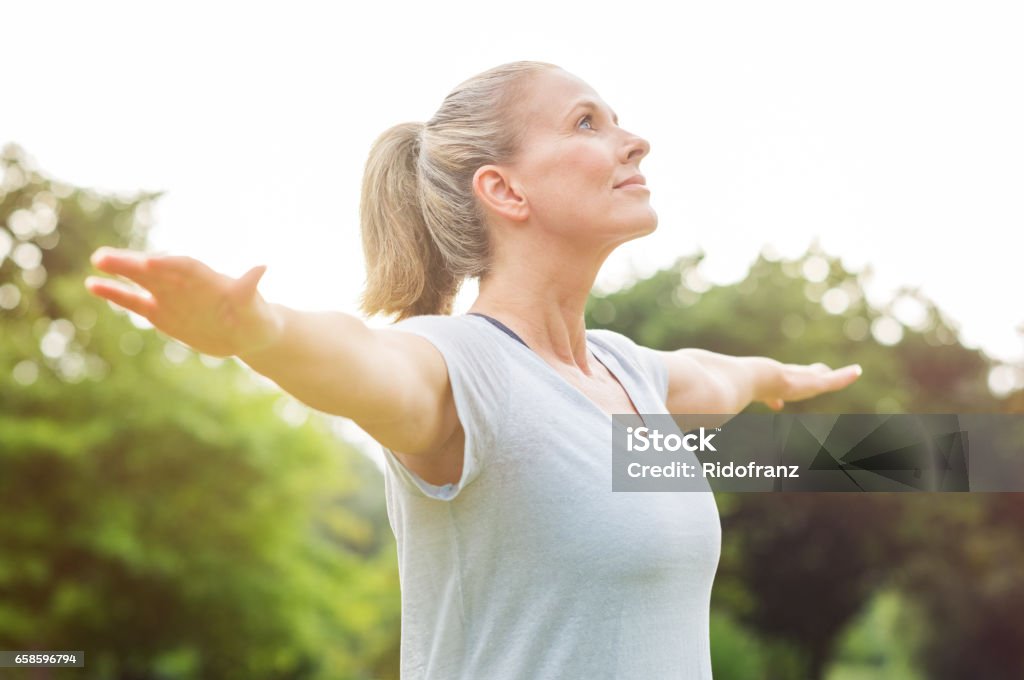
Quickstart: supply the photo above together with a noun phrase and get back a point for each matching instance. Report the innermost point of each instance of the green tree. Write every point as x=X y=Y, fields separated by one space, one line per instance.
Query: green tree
x=800 y=568
x=158 y=511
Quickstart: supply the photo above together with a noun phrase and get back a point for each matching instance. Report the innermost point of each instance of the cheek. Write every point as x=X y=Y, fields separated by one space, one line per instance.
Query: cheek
x=591 y=166
x=582 y=163
x=572 y=184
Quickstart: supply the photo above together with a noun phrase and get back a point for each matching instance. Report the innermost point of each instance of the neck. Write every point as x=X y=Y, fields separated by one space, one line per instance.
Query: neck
x=543 y=299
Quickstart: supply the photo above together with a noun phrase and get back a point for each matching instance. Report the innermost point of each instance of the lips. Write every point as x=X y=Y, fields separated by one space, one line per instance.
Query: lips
x=635 y=179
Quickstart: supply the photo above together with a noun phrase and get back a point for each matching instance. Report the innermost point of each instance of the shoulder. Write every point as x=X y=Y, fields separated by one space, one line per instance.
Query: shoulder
x=649 y=362
x=440 y=322
x=607 y=335
x=625 y=349
x=615 y=341
x=457 y=332
x=472 y=357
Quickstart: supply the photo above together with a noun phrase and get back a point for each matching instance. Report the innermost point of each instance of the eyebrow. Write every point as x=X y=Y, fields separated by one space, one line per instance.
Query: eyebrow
x=591 y=104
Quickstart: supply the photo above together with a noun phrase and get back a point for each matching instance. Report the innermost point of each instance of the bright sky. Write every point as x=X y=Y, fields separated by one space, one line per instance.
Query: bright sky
x=889 y=130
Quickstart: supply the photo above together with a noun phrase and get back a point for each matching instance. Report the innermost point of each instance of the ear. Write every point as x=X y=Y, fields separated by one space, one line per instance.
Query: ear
x=495 y=189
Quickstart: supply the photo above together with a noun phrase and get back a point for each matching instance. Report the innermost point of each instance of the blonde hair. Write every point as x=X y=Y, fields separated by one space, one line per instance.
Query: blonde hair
x=423 y=230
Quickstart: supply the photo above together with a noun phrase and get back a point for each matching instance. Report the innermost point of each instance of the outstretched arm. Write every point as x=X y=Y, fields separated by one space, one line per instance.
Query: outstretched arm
x=703 y=382
x=393 y=384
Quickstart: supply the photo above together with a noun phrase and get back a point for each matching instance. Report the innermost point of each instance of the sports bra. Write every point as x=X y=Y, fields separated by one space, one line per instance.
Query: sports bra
x=502 y=326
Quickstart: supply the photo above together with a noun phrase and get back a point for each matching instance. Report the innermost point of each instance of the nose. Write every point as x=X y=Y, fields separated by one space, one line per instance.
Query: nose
x=635 y=147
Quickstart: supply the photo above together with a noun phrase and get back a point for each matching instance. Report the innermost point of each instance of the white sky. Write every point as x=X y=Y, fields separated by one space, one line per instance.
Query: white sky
x=891 y=131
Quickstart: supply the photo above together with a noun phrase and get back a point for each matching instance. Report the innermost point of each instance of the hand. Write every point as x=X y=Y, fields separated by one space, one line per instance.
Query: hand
x=795 y=382
x=212 y=313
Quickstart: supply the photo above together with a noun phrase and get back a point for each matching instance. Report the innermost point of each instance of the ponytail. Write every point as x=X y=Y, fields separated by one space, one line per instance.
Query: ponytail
x=406 y=272
x=422 y=228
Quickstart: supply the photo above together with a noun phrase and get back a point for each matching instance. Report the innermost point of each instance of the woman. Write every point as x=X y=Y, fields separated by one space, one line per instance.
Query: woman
x=516 y=559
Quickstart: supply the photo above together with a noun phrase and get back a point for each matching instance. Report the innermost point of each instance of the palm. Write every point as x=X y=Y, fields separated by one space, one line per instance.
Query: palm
x=185 y=299
x=798 y=382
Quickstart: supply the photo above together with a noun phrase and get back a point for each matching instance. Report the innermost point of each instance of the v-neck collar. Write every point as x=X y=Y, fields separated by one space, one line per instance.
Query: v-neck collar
x=603 y=360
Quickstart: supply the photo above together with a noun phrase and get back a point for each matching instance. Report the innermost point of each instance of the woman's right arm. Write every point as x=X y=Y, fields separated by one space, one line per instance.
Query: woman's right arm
x=394 y=385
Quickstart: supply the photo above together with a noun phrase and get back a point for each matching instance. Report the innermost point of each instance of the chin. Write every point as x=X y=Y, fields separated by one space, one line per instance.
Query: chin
x=651 y=225
x=636 y=226
x=643 y=229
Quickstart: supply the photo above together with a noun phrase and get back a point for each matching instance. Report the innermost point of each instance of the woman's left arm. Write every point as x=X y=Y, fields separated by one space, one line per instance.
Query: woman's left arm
x=705 y=382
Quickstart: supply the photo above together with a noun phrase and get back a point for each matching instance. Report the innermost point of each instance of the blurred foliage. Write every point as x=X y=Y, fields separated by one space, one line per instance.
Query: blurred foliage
x=178 y=518
x=880 y=642
x=162 y=510
x=802 y=571
x=736 y=652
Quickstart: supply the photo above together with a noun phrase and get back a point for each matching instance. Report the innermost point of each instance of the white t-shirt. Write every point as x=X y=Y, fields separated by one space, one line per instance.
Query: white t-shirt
x=531 y=567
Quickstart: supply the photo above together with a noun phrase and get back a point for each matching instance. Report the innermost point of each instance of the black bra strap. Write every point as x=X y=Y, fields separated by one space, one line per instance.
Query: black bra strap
x=502 y=326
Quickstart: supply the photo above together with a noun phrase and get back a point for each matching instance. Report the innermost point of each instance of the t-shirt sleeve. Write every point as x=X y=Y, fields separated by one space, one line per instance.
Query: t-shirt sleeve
x=654 y=364
x=647 y=360
x=479 y=376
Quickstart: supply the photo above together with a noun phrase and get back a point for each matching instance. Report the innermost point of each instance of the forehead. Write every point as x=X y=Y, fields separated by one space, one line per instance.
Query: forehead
x=554 y=94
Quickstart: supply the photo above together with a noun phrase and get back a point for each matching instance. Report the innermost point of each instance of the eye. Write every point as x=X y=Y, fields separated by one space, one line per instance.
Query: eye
x=587 y=117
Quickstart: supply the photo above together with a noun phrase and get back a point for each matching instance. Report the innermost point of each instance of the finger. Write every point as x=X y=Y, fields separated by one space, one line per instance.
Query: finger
x=853 y=369
x=841 y=377
x=121 y=295
x=181 y=264
x=127 y=263
x=248 y=282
